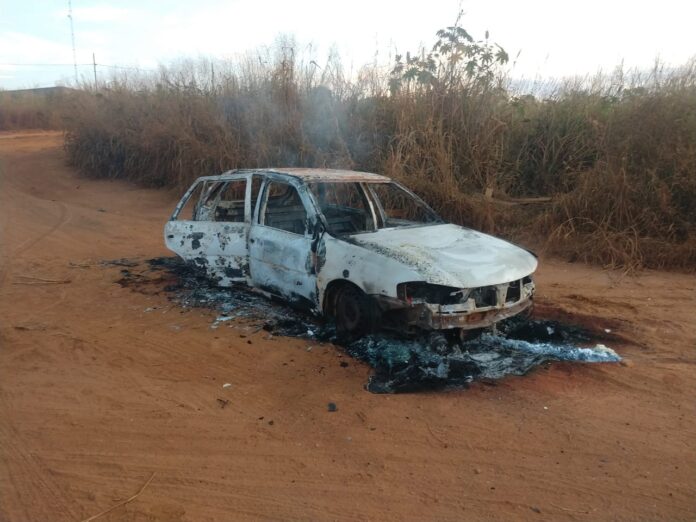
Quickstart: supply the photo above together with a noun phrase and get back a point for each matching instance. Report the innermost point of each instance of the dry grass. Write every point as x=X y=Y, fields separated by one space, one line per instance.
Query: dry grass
x=30 y=110
x=616 y=155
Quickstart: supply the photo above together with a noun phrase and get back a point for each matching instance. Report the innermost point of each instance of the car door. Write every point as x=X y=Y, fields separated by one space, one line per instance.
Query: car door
x=213 y=235
x=280 y=257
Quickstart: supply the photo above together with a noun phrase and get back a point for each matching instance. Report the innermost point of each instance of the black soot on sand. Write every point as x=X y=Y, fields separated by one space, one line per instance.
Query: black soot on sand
x=401 y=364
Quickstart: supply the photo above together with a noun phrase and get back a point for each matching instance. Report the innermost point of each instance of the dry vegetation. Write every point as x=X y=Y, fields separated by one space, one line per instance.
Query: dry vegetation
x=615 y=155
x=31 y=109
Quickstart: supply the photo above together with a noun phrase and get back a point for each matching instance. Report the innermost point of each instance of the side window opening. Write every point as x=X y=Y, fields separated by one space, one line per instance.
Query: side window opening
x=230 y=201
x=284 y=209
x=206 y=207
x=188 y=211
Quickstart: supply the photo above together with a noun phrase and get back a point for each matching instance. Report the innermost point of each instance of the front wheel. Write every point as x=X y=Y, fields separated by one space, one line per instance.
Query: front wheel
x=356 y=315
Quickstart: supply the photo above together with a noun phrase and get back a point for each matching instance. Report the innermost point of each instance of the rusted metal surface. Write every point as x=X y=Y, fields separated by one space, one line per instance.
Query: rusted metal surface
x=281 y=244
x=332 y=175
x=467 y=316
x=305 y=174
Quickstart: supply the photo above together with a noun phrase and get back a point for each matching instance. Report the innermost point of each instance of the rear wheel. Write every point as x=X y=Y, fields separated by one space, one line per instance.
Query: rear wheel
x=356 y=314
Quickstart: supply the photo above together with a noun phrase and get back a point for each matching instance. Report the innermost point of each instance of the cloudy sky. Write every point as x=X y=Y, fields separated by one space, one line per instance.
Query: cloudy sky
x=554 y=37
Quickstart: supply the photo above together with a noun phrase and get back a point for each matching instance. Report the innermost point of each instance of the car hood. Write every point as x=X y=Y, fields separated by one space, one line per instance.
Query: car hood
x=451 y=255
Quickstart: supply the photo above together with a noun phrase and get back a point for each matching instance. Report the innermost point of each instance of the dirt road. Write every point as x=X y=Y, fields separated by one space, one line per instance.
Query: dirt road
x=102 y=386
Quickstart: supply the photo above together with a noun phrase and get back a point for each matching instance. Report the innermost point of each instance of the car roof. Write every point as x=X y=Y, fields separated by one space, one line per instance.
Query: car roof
x=312 y=175
x=330 y=174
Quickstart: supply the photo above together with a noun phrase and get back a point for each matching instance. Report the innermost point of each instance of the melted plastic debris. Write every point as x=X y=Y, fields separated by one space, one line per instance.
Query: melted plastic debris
x=400 y=364
x=410 y=365
x=561 y=352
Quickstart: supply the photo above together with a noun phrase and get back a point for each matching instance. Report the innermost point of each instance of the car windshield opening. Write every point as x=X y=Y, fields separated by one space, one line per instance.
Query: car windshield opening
x=344 y=206
x=348 y=207
x=399 y=208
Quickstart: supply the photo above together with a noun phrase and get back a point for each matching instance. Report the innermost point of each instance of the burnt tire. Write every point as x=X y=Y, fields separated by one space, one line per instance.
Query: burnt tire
x=356 y=314
x=439 y=343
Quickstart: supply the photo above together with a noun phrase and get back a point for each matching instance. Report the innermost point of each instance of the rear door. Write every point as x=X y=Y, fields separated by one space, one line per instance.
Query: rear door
x=280 y=257
x=213 y=233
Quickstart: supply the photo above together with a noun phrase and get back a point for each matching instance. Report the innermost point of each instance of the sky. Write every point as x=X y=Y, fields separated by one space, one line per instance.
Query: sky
x=554 y=38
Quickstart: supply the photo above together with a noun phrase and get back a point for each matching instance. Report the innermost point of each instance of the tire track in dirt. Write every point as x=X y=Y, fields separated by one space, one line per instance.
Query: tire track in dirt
x=12 y=255
x=32 y=484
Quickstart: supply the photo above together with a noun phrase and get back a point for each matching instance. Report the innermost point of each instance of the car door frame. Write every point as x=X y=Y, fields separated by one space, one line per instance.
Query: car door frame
x=281 y=262
x=219 y=247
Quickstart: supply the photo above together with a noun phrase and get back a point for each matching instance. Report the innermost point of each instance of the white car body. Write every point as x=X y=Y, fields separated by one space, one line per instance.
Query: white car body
x=426 y=274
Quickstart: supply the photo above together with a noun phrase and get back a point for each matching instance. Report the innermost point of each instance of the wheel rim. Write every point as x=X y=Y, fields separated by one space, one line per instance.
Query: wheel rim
x=349 y=312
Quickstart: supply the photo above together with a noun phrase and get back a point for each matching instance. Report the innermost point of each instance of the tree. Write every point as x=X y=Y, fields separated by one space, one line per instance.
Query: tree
x=455 y=59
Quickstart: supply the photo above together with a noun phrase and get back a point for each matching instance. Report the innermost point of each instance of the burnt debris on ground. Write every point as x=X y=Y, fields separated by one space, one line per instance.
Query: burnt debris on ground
x=401 y=364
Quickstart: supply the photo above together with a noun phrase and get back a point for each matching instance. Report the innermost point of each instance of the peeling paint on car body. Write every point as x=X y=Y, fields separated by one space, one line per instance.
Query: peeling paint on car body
x=296 y=256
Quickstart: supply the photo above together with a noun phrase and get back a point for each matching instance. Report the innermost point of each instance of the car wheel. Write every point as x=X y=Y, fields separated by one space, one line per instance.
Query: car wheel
x=439 y=343
x=355 y=314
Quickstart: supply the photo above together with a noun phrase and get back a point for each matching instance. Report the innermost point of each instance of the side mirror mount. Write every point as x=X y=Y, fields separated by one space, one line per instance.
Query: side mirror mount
x=317 y=247
x=318 y=231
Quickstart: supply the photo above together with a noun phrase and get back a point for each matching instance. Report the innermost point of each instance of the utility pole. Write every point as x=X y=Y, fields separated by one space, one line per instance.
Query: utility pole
x=212 y=76
x=94 y=65
x=72 y=37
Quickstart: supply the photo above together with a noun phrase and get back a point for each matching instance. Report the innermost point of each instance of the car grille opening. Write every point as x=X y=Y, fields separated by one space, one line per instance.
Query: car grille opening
x=429 y=293
x=485 y=296
x=513 y=292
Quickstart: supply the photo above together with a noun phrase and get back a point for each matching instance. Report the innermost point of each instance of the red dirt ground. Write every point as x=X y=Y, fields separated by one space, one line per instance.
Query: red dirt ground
x=97 y=393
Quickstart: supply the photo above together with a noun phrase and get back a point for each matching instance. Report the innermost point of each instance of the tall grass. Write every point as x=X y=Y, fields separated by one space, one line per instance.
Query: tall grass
x=31 y=109
x=615 y=155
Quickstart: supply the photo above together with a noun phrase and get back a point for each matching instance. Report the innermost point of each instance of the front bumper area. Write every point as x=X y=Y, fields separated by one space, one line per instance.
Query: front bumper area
x=432 y=317
x=464 y=316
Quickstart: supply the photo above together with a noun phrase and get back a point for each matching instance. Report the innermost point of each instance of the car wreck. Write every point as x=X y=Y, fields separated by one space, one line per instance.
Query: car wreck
x=353 y=246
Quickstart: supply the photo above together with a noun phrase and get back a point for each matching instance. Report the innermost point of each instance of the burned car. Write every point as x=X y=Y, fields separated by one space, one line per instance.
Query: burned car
x=354 y=246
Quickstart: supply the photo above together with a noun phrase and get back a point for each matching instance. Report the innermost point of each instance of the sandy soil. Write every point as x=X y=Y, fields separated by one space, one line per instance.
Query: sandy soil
x=102 y=386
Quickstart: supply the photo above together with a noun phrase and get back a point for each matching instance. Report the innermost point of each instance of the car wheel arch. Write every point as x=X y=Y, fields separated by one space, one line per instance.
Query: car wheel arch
x=331 y=292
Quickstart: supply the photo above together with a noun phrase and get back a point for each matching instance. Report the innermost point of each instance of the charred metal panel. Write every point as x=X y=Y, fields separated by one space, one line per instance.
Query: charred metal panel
x=220 y=248
x=374 y=273
x=436 y=317
x=332 y=175
x=281 y=263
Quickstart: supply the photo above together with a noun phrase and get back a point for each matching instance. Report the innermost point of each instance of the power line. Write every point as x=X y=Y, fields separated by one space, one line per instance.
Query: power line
x=43 y=64
x=75 y=64
x=124 y=67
